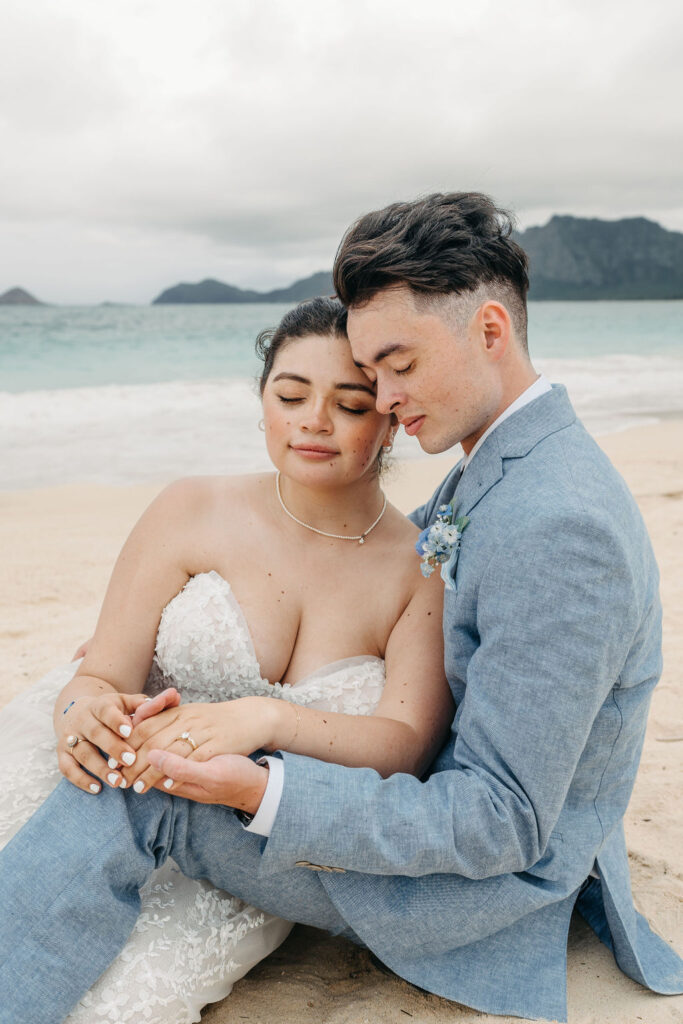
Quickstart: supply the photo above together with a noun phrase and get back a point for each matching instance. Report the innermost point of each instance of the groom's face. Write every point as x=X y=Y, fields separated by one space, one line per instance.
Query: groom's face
x=435 y=377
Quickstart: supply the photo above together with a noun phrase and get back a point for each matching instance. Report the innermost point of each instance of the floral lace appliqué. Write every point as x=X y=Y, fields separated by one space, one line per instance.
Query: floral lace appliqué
x=191 y=942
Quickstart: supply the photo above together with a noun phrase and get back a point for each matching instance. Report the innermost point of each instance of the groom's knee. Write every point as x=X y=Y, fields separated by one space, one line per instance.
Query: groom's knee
x=116 y=822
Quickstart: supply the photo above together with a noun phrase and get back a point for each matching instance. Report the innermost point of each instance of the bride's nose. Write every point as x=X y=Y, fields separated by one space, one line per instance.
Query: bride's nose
x=316 y=418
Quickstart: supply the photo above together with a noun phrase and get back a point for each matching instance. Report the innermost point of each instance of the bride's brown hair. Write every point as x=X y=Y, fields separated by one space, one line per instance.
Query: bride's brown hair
x=321 y=316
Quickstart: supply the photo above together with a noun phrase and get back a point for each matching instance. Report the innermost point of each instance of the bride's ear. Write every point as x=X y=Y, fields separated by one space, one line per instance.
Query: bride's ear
x=388 y=442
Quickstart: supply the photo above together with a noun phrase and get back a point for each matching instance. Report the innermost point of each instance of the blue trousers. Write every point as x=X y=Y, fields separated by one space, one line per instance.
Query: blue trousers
x=70 y=881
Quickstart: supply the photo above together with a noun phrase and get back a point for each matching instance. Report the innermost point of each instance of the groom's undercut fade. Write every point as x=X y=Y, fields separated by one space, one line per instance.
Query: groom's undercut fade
x=446 y=244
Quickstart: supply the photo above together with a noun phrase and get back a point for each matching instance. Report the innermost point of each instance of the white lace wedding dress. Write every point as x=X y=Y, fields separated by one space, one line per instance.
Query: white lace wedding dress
x=191 y=941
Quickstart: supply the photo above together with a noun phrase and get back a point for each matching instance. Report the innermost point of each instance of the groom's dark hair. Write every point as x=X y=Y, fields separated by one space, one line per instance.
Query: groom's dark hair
x=450 y=243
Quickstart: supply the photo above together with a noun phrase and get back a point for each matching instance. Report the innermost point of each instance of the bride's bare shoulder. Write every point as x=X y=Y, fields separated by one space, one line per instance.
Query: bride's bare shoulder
x=205 y=493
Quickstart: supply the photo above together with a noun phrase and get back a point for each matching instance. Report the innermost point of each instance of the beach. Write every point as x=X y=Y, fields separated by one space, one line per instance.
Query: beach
x=57 y=547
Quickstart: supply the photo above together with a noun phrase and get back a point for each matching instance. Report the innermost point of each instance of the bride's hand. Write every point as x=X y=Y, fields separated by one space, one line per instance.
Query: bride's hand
x=234 y=727
x=93 y=737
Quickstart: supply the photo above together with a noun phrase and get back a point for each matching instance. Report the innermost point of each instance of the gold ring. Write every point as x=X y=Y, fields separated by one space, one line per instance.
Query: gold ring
x=186 y=736
x=71 y=742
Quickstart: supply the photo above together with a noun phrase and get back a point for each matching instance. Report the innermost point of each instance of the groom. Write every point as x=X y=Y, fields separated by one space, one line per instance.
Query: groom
x=462 y=882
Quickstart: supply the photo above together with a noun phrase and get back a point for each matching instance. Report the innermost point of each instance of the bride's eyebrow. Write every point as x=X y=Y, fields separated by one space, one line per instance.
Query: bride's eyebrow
x=337 y=387
x=356 y=387
x=291 y=376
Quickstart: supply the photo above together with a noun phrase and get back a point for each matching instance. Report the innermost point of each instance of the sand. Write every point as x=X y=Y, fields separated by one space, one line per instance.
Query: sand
x=57 y=547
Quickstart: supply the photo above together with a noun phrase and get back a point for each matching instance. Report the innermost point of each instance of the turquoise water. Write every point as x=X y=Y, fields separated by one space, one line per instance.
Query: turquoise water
x=71 y=347
x=85 y=346
x=123 y=394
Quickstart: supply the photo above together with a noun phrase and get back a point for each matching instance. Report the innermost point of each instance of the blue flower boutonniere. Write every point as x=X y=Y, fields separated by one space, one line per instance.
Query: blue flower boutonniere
x=438 y=544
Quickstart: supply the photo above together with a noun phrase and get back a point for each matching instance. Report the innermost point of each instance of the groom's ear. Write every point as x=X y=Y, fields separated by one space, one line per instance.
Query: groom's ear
x=495 y=328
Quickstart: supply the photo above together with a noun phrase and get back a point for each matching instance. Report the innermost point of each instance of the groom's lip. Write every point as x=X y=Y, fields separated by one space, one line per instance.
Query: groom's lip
x=411 y=426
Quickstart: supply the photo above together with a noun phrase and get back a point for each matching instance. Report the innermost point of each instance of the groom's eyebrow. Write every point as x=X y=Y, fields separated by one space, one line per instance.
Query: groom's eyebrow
x=384 y=352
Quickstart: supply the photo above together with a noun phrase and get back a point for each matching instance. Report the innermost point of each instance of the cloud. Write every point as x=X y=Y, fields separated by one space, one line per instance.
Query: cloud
x=244 y=137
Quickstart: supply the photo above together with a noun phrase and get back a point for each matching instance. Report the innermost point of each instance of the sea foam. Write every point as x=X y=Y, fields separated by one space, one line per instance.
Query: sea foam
x=120 y=434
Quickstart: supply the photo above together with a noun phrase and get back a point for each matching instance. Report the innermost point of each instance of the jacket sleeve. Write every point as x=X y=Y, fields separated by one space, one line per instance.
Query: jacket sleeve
x=557 y=610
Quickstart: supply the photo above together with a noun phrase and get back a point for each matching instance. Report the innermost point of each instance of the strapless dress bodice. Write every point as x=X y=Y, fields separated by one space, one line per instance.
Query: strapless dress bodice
x=205 y=650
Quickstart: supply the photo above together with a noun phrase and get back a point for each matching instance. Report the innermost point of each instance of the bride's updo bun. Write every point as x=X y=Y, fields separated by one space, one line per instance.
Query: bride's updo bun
x=321 y=316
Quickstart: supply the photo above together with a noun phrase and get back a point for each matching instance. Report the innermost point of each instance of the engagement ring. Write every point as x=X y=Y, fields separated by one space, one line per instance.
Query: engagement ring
x=186 y=736
x=71 y=742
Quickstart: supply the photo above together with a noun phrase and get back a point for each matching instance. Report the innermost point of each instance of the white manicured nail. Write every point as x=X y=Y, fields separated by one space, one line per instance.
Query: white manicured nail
x=125 y=730
x=123 y=784
x=94 y=788
x=139 y=786
x=112 y=762
x=113 y=778
x=128 y=758
x=168 y=783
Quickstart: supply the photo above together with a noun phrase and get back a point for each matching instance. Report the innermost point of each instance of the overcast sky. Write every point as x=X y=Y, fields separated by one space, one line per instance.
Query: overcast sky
x=144 y=142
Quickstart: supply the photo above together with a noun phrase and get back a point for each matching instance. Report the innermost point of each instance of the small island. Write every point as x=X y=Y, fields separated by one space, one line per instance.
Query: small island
x=19 y=297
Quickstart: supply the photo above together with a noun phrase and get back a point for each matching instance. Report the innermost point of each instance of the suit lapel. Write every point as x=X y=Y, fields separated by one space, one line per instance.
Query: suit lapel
x=485 y=470
x=513 y=438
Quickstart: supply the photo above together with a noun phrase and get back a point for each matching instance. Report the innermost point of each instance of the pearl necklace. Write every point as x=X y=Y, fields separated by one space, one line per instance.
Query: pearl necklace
x=360 y=537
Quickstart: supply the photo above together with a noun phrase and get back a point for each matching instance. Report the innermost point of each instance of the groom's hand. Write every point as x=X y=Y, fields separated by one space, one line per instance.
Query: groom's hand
x=229 y=779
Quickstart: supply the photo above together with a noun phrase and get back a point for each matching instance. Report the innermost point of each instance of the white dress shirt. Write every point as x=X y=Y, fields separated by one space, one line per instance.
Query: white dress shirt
x=264 y=818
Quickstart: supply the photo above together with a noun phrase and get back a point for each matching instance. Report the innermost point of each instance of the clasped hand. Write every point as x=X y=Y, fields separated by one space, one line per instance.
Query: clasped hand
x=213 y=768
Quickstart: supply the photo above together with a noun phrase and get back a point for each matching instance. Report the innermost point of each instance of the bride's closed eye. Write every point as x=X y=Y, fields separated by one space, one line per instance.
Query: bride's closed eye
x=289 y=400
x=354 y=412
x=404 y=369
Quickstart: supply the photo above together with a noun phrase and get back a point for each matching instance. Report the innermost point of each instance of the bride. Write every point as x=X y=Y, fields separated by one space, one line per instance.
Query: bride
x=301 y=586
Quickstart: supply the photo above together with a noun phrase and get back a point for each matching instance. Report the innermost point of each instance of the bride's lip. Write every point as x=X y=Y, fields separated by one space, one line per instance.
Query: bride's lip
x=314 y=451
x=411 y=426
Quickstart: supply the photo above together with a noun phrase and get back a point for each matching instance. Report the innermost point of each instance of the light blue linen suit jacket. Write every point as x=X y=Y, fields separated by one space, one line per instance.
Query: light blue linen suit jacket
x=464 y=882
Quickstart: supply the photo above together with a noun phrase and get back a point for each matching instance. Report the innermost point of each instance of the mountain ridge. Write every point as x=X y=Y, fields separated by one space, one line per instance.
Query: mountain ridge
x=571 y=258
x=210 y=290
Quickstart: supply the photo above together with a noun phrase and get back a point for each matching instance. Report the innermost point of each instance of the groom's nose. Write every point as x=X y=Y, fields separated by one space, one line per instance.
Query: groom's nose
x=388 y=398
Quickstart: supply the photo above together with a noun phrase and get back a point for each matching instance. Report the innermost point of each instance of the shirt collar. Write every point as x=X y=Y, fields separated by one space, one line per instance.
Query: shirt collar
x=535 y=390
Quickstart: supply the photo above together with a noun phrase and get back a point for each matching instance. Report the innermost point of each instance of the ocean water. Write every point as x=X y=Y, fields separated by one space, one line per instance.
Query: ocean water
x=120 y=394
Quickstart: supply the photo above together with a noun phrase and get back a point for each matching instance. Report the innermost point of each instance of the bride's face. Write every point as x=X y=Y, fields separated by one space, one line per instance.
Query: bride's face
x=319 y=413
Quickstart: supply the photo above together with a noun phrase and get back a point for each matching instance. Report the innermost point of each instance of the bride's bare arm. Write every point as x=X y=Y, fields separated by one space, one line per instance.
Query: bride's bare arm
x=412 y=718
x=106 y=689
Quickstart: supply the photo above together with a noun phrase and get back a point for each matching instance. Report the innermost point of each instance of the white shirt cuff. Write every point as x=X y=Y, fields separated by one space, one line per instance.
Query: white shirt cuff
x=262 y=822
